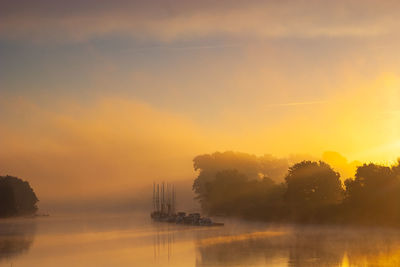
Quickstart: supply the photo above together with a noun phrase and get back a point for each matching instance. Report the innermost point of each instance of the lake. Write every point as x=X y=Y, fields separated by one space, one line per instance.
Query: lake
x=134 y=240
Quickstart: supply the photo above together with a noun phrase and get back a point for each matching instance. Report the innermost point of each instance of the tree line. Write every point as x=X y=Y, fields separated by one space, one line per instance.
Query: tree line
x=16 y=197
x=312 y=191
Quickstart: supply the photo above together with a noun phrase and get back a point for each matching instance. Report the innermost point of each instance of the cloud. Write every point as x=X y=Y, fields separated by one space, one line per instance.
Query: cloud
x=167 y=21
x=100 y=148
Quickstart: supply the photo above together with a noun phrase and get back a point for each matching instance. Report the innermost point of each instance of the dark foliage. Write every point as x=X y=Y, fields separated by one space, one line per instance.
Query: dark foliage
x=374 y=194
x=311 y=187
x=312 y=192
x=251 y=166
x=313 y=183
x=16 y=197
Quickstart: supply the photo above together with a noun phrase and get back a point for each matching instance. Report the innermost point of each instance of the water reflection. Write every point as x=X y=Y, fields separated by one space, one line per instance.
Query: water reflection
x=16 y=238
x=127 y=240
x=304 y=246
x=163 y=241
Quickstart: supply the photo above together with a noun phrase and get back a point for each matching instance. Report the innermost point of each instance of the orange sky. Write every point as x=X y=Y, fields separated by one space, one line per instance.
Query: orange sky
x=99 y=96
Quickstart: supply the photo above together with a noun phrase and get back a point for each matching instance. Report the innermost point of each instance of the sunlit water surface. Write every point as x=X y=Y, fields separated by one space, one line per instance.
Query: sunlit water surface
x=134 y=240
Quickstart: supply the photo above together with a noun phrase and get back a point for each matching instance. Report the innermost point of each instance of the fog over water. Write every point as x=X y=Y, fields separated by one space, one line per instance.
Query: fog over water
x=128 y=239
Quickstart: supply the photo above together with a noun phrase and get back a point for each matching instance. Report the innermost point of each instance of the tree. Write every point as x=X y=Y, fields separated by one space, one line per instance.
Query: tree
x=375 y=190
x=16 y=197
x=253 y=167
x=313 y=183
x=232 y=193
x=224 y=194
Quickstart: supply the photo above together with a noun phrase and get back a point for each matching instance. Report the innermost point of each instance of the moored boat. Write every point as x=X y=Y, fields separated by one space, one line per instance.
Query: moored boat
x=164 y=209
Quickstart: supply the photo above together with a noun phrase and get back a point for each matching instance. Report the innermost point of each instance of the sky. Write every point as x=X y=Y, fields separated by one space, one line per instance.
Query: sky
x=100 y=95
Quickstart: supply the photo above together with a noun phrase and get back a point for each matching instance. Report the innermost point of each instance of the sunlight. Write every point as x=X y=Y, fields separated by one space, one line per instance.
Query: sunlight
x=345 y=261
x=275 y=126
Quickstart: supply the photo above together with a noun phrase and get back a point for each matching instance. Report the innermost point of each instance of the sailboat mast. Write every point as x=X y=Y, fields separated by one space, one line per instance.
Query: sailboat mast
x=154 y=196
x=169 y=199
x=158 y=198
x=163 y=198
x=168 y=208
x=173 y=199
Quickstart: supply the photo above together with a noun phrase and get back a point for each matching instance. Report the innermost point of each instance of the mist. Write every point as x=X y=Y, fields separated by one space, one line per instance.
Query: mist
x=108 y=153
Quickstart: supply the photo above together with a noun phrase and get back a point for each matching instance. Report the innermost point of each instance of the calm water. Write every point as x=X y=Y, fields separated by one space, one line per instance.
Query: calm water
x=133 y=240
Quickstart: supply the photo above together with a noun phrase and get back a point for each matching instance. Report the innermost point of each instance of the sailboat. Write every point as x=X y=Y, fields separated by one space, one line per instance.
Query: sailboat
x=164 y=208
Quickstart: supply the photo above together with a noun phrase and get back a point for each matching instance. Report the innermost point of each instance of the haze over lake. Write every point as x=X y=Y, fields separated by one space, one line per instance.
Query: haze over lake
x=134 y=240
x=278 y=119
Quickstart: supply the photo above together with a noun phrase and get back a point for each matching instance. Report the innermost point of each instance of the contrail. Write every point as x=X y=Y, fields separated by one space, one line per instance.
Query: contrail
x=189 y=47
x=297 y=103
x=204 y=46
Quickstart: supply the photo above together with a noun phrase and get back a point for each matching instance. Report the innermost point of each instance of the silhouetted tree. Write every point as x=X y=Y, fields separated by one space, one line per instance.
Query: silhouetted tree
x=224 y=193
x=232 y=193
x=209 y=165
x=313 y=183
x=374 y=194
x=251 y=166
x=7 y=199
x=238 y=184
x=262 y=199
x=16 y=197
x=312 y=189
